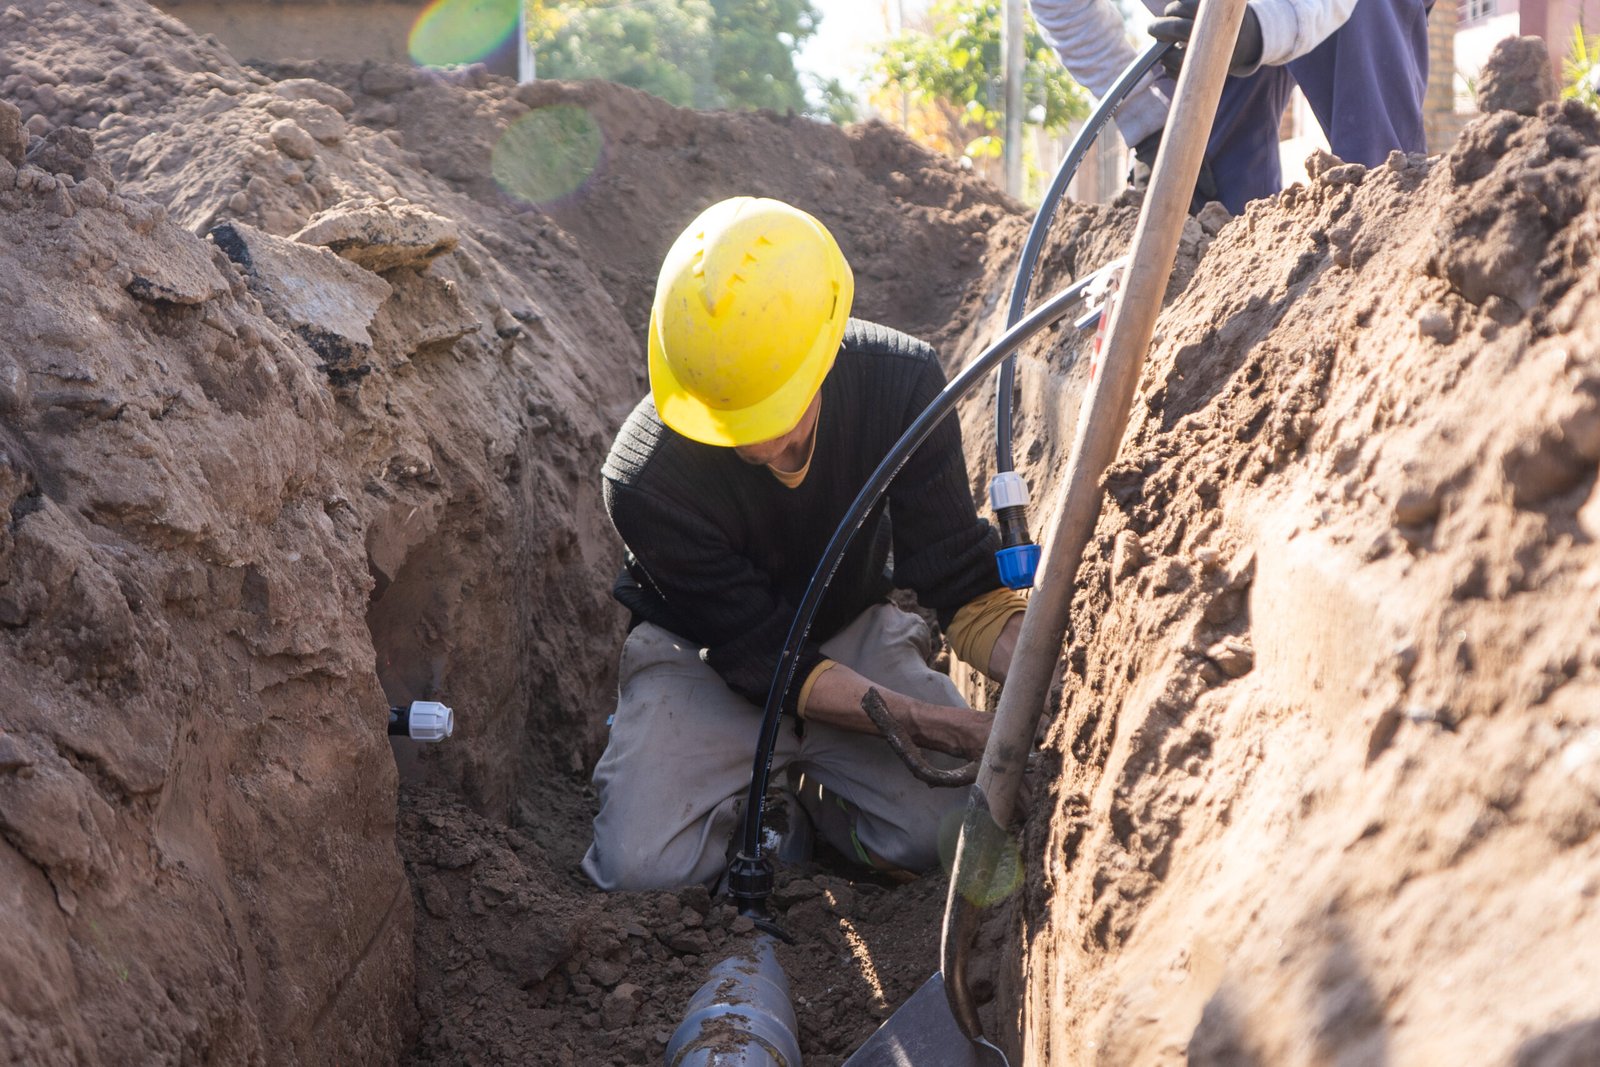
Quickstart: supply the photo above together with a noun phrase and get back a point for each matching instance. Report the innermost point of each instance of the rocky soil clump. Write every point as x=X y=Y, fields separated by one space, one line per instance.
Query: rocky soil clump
x=1331 y=717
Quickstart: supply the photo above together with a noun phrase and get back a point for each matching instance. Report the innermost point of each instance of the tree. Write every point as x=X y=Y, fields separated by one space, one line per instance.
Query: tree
x=755 y=42
x=1580 y=71
x=835 y=103
x=694 y=53
x=660 y=46
x=952 y=73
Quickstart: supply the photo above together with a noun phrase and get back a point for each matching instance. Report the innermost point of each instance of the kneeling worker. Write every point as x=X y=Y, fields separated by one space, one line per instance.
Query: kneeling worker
x=768 y=410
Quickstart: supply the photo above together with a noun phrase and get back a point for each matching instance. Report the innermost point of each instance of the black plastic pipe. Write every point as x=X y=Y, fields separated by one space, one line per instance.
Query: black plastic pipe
x=741 y=1017
x=1005 y=458
x=750 y=875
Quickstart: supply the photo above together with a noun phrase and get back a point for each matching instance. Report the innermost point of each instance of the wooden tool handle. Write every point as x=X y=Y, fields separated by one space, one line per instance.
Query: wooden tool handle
x=1104 y=417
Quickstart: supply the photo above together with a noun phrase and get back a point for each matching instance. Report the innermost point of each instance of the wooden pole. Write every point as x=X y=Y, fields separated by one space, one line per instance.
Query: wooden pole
x=1104 y=417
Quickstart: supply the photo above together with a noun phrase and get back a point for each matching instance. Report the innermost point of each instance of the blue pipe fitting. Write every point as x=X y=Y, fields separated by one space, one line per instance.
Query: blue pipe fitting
x=1018 y=557
x=1018 y=565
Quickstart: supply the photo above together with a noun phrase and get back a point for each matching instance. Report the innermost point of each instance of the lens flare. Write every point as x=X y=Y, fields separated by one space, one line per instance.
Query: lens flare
x=992 y=869
x=449 y=32
x=548 y=153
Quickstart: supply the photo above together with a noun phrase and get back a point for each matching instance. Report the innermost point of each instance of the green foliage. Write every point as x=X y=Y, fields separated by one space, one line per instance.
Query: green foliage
x=660 y=46
x=695 y=53
x=835 y=103
x=1580 y=71
x=957 y=65
x=754 y=45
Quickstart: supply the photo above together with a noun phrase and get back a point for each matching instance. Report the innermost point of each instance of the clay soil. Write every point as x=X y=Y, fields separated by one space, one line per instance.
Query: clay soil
x=300 y=414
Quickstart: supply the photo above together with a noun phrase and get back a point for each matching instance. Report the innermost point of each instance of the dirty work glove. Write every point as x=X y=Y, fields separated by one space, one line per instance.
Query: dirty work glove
x=1144 y=161
x=1177 y=23
x=1144 y=164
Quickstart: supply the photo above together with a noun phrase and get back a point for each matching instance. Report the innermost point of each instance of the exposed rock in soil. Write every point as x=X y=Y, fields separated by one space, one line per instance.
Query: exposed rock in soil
x=381 y=235
x=13 y=138
x=328 y=301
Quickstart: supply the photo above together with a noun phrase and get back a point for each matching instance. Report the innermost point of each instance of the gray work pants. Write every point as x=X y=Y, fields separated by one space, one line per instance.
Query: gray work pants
x=677 y=767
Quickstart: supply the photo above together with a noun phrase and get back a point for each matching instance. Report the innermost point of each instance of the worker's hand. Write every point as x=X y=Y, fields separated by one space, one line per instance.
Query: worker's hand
x=960 y=732
x=1144 y=165
x=1176 y=24
x=836 y=700
x=1144 y=162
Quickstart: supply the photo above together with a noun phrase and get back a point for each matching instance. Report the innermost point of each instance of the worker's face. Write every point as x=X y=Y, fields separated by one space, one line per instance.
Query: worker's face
x=764 y=452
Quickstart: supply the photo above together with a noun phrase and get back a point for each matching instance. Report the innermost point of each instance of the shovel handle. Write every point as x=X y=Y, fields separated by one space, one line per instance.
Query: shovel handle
x=1105 y=409
x=1101 y=425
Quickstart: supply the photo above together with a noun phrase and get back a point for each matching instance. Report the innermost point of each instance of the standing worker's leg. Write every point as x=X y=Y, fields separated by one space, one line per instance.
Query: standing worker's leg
x=1242 y=154
x=1365 y=84
x=896 y=817
x=674 y=770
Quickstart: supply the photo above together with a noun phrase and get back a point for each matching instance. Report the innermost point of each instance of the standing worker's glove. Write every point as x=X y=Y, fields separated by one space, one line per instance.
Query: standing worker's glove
x=1144 y=164
x=1177 y=23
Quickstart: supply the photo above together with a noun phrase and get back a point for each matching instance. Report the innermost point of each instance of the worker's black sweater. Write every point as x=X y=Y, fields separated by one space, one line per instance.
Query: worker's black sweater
x=720 y=552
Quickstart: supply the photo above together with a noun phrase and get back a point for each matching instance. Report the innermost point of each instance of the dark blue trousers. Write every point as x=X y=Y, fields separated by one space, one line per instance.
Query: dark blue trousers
x=1365 y=84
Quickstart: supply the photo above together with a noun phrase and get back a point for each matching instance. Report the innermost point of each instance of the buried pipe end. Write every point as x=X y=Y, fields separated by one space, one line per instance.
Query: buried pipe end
x=422 y=720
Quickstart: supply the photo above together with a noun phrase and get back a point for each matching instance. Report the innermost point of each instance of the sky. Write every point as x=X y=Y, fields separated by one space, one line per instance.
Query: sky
x=848 y=29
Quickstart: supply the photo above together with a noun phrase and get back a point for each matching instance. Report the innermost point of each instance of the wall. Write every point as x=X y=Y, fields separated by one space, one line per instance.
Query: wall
x=345 y=33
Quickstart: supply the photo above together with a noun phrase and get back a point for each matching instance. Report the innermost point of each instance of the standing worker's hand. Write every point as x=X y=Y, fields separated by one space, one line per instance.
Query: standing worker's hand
x=1177 y=23
x=1143 y=163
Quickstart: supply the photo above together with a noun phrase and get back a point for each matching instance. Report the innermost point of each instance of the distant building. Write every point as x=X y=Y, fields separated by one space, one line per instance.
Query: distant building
x=344 y=31
x=1483 y=22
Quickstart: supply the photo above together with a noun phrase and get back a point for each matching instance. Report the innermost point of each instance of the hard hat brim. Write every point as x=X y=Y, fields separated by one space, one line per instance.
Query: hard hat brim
x=771 y=417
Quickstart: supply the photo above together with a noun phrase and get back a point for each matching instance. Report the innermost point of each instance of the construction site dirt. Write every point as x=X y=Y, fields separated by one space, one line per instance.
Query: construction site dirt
x=306 y=374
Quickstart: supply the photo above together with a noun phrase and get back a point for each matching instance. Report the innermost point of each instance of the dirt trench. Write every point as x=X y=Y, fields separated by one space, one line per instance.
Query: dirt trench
x=299 y=416
x=302 y=413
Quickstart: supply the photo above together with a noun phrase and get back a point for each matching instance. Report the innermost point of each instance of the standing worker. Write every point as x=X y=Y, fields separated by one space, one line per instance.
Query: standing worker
x=1362 y=64
x=768 y=410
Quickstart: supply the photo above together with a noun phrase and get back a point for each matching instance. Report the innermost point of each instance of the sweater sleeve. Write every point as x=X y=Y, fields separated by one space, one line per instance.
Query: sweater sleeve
x=719 y=594
x=942 y=549
x=1092 y=41
x=1291 y=28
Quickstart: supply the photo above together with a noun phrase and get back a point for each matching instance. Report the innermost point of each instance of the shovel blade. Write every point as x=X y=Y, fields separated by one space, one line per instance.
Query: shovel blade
x=923 y=1033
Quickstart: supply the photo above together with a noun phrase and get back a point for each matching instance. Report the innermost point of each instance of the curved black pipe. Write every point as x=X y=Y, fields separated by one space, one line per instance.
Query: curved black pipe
x=746 y=882
x=1005 y=459
x=750 y=875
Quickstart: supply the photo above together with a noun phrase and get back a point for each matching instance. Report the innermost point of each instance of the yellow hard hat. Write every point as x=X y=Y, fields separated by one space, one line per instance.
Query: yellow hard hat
x=749 y=311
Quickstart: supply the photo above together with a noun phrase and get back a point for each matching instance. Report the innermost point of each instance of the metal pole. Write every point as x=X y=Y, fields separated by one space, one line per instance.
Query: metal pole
x=525 y=69
x=896 y=30
x=1012 y=34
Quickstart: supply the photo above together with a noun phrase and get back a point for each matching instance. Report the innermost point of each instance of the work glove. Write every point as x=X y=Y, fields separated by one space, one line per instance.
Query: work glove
x=1144 y=163
x=1177 y=23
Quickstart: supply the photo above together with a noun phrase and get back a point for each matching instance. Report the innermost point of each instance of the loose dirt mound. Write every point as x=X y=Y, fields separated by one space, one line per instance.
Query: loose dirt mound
x=914 y=227
x=1332 y=713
